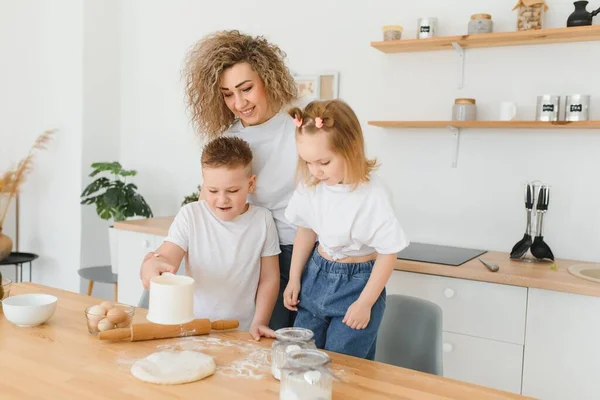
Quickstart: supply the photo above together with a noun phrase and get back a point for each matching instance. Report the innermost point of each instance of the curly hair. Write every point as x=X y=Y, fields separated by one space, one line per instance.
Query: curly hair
x=211 y=56
x=340 y=123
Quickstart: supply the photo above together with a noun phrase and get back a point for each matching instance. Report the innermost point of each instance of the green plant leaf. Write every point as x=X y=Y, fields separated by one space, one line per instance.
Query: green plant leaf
x=113 y=167
x=112 y=197
x=93 y=187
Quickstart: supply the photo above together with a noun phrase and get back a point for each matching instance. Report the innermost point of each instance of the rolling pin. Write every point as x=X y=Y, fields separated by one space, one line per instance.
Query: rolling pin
x=150 y=331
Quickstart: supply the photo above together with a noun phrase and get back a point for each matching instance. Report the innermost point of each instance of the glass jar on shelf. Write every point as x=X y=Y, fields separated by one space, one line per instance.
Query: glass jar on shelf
x=464 y=110
x=392 y=32
x=530 y=14
x=288 y=340
x=480 y=23
x=306 y=375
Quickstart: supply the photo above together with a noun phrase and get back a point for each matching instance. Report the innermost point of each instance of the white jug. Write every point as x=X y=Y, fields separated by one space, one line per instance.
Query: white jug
x=171 y=299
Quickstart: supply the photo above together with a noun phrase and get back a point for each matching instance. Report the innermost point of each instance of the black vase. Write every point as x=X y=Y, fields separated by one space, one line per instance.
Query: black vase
x=581 y=16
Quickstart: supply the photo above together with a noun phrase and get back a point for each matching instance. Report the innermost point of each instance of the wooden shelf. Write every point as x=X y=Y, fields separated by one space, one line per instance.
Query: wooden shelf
x=487 y=124
x=498 y=39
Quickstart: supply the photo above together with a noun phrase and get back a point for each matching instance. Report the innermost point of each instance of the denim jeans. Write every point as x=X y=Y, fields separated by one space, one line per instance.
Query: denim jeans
x=328 y=289
x=282 y=317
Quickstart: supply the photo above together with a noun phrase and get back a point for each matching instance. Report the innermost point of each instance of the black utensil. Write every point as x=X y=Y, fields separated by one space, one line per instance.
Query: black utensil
x=521 y=247
x=539 y=248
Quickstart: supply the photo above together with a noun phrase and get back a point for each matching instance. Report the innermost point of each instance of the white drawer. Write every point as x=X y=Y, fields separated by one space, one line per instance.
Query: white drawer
x=482 y=309
x=483 y=362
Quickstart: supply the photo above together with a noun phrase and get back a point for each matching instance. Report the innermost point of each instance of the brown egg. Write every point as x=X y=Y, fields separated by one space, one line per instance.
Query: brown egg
x=107 y=305
x=96 y=313
x=125 y=323
x=105 y=325
x=116 y=315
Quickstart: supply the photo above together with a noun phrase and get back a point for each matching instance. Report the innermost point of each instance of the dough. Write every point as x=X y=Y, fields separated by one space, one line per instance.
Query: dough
x=173 y=367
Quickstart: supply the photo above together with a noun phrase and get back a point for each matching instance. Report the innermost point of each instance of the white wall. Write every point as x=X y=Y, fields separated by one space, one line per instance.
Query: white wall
x=480 y=203
x=41 y=79
x=101 y=122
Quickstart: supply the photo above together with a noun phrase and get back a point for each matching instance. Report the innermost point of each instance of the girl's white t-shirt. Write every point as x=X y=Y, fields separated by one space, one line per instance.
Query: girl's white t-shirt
x=224 y=258
x=273 y=145
x=349 y=222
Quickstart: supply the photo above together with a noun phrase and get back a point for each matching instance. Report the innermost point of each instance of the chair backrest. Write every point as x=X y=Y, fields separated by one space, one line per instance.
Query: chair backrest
x=410 y=334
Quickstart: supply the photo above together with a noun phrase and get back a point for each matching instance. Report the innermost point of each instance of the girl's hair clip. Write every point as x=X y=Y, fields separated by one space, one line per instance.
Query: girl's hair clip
x=319 y=122
x=298 y=122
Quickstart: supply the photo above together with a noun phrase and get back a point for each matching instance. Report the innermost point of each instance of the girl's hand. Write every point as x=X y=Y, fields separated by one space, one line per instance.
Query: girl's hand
x=358 y=315
x=258 y=330
x=290 y=295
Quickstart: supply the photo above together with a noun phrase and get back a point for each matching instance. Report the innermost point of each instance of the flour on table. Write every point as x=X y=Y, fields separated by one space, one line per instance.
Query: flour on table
x=174 y=367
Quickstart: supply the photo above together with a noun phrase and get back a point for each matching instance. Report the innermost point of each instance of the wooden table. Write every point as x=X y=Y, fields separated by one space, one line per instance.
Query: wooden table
x=61 y=360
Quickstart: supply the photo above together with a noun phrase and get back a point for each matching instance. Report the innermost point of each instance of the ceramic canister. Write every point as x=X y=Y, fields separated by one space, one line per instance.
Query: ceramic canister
x=426 y=28
x=171 y=299
x=547 y=108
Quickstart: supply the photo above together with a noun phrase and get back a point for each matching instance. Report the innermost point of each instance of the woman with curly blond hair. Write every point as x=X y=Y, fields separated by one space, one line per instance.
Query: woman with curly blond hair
x=239 y=85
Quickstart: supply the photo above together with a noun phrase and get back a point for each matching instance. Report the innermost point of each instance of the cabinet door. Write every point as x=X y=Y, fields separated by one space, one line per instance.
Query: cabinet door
x=483 y=362
x=562 y=346
x=482 y=309
x=131 y=249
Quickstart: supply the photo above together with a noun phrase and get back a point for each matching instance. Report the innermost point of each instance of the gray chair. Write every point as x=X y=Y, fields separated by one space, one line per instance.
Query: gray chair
x=410 y=335
x=144 y=300
x=99 y=274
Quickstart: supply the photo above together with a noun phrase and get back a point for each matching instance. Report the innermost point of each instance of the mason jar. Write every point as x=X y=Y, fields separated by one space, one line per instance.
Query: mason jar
x=464 y=110
x=288 y=340
x=306 y=375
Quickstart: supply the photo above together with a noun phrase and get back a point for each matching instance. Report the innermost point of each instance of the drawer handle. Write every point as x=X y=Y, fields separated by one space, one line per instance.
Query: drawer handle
x=448 y=347
x=449 y=293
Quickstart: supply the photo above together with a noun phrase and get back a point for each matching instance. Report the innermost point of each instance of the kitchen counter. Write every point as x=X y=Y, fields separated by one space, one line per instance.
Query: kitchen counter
x=60 y=359
x=518 y=273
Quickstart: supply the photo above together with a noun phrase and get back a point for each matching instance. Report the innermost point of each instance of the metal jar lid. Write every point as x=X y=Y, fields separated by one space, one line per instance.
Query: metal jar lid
x=294 y=334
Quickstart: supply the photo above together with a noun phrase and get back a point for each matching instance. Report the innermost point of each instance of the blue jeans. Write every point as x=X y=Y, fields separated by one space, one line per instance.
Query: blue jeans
x=328 y=289
x=282 y=317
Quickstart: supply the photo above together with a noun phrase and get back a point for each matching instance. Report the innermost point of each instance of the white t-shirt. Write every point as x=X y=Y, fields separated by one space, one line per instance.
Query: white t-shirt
x=273 y=145
x=224 y=258
x=349 y=223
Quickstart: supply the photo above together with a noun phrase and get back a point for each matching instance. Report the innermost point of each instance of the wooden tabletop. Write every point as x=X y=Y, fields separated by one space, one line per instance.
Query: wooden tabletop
x=540 y=275
x=60 y=360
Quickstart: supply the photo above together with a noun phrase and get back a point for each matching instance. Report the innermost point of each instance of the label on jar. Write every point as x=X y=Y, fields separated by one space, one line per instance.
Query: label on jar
x=425 y=29
x=576 y=108
x=548 y=107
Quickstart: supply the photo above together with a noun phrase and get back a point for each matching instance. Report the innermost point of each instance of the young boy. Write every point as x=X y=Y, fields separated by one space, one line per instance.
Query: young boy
x=231 y=247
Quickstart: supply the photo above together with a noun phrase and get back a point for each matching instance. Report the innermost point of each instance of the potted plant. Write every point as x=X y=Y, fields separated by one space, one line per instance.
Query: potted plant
x=114 y=198
x=10 y=185
x=191 y=197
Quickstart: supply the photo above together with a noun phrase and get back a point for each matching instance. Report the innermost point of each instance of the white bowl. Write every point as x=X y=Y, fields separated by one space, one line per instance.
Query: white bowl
x=27 y=310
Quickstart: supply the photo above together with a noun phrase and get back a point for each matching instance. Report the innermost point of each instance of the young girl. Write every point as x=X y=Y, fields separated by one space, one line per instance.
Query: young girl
x=341 y=294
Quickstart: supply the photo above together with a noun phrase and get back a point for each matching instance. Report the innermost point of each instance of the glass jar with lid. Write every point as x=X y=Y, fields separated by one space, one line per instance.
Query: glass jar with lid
x=392 y=32
x=464 y=110
x=481 y=23
x=306 y=375
x=288 y=340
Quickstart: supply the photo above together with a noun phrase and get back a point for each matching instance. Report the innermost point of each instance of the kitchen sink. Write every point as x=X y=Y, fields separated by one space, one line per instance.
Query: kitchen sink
x=591 y=272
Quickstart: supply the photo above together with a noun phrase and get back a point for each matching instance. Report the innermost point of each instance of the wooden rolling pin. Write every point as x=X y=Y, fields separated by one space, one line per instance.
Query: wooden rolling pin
x=150 y=331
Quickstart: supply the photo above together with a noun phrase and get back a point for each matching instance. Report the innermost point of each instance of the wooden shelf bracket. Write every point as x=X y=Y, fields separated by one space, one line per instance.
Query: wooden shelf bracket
x=456 y=133
x=461 y=64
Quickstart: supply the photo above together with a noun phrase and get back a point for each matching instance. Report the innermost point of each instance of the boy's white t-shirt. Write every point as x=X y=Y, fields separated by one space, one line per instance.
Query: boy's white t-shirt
x=273 y=145
x=349 y=222
x=224 y=258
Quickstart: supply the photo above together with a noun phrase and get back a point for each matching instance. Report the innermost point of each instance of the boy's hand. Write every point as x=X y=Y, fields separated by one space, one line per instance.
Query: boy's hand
x=290 y=295
x=358 y=315
x=258 y=330
x=154 y=266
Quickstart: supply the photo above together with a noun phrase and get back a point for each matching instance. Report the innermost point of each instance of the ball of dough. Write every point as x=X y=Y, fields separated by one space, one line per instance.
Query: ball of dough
x=174 y=367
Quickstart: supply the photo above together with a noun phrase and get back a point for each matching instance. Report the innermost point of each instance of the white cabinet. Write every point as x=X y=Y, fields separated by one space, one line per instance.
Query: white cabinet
x=131 y=249
x=483 y=324
x=481 y=309
x=483 y=362
x=562 y=346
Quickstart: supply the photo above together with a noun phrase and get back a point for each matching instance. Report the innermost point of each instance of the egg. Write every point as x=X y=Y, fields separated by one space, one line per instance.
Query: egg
x=96 y=313
x=125 y=323
x=107 y=305
x=105 y=325
x=93 y=325
x=116 y=315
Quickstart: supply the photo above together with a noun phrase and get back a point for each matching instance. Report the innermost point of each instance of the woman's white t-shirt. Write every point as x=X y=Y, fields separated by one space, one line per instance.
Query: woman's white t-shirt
x=349 y=222
x=273 y=145
x=224 y=258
